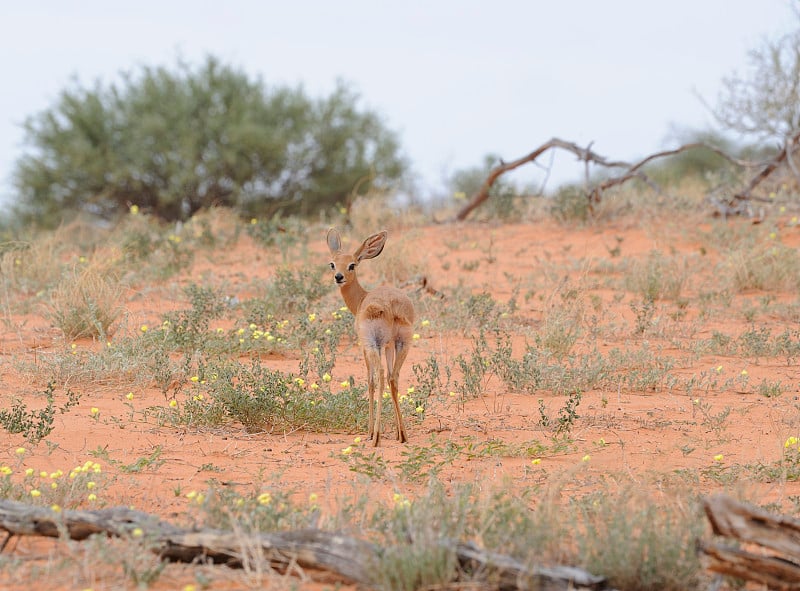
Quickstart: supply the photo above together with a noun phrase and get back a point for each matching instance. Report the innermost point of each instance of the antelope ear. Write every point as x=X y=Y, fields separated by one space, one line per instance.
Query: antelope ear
x=334 y=241
x=372 y=246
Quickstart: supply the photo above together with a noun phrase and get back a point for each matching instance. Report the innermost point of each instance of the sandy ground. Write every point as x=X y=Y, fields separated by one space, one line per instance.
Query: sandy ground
x=622 y=431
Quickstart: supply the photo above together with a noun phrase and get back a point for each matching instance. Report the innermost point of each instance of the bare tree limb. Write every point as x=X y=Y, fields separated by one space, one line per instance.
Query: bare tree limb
x=769 y=167
x=584 y=154
x=629 y=170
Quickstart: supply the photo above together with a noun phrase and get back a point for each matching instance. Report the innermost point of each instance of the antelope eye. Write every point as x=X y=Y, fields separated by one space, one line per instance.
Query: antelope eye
x=333 y=266
x=351 y=267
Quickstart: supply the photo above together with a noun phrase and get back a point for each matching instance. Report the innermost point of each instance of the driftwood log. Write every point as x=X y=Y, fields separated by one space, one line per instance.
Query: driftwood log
x=348 y=559
x=769 y=549
x=628 y=171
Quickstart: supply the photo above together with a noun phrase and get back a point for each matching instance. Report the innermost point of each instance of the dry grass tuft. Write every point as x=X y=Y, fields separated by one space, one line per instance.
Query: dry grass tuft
x=86 y=303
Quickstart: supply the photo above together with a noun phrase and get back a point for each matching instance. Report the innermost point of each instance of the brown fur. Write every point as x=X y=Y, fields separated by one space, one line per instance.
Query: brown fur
x=384 y=319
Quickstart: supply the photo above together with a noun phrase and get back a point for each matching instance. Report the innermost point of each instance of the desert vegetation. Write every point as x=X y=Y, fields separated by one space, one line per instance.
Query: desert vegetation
x=573 y=389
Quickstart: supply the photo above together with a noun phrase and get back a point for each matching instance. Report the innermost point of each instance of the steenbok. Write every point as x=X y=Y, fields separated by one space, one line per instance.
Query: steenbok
x=384 y=322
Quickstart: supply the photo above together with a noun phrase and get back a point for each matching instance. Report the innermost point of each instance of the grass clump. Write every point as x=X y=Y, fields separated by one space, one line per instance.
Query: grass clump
x=639 y=544
x=657 y=277
x=622 y=535
x=85 y=304
x=766 y=266
x=418 y=549
x=151 y=249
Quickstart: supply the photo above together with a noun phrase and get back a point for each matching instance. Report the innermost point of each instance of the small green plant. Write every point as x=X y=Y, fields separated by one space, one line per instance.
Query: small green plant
x=429 y=377
x=369 y=464
x=473 y=311
x=318 y=341
x=35 y=425
x=475 y=368
x=544 y=419
x=714 y=421
x=275 y=231
x=562 y=324
x=420 y=463
x=769 y=389
x=152 y=462
x=261 y=399
x=787 y=468
x=567 y=414
x=290 y=292
x=755 y=343
x=644 y=312
x=563 y=423
x=187 y=330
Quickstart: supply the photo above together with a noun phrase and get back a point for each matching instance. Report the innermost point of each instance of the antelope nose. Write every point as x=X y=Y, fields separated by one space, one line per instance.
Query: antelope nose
x=338 y=277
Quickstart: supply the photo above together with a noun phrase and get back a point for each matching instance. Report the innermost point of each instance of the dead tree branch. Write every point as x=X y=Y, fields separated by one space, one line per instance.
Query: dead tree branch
x=769 y=167
x=753 y=526
x=628 y=170
x=348 y=559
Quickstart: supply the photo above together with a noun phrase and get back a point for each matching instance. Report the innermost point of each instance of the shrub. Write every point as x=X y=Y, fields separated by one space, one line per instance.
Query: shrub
x=174 y=142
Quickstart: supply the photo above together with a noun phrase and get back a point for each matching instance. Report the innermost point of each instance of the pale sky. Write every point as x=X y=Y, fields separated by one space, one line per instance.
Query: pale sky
x=457 y=79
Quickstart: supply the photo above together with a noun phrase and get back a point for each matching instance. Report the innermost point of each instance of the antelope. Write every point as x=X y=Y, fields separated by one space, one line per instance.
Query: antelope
x=384 y=319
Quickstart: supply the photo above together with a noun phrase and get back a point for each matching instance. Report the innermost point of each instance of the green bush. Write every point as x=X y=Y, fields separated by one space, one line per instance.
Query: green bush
x=174 y=142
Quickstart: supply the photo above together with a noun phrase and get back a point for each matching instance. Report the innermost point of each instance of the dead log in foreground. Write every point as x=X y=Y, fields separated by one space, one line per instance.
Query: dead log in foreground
x=349 y=559
x=753 y=526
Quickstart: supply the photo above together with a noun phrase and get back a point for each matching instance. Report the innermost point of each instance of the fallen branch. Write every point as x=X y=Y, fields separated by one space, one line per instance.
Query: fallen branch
x=769 y=167
x=753 y=526
x=349 y=559
x=629 y=170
